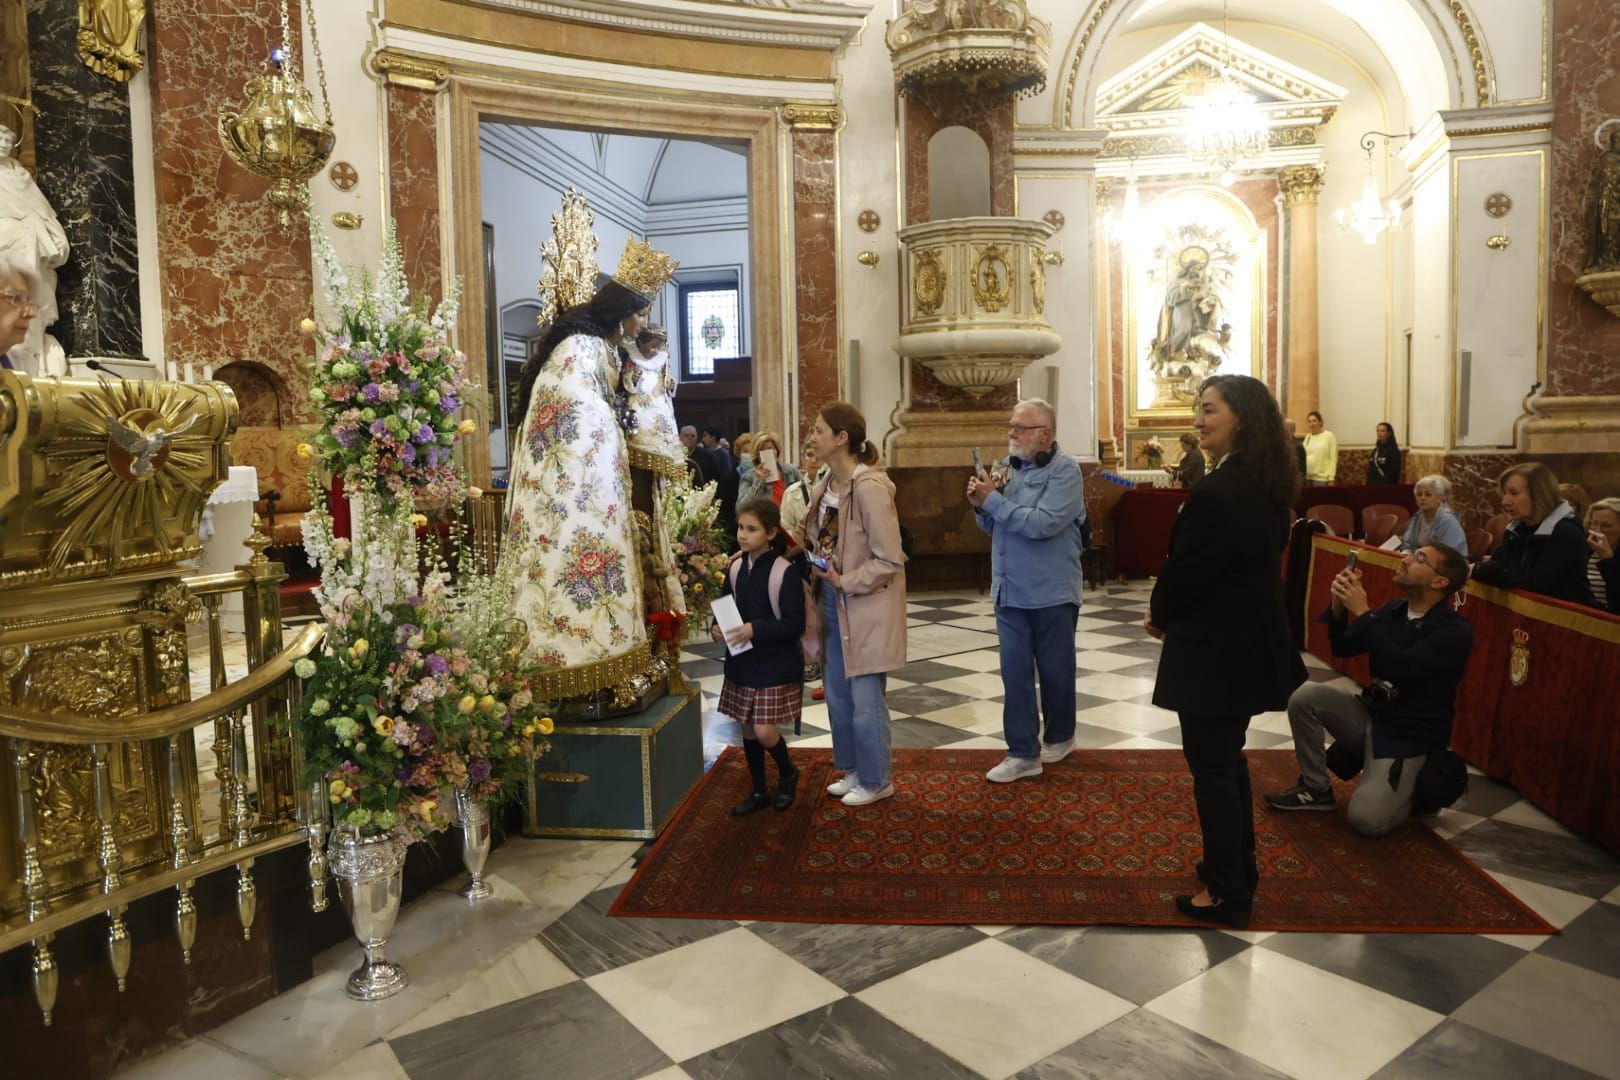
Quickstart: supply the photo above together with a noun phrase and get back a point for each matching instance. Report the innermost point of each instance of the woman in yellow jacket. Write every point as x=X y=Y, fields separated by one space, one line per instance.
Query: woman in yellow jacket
x=1321 y=452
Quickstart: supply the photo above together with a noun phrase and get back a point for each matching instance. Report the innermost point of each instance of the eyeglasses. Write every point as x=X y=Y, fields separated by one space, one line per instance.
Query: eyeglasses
x=18 y=300
x=1421 y=559
x=1019 y=429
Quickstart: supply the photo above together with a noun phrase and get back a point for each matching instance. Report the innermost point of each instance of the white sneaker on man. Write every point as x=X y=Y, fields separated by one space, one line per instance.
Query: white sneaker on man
x=1053 y=752
x=859 y=796
x=1013 y=768
x=843 y=785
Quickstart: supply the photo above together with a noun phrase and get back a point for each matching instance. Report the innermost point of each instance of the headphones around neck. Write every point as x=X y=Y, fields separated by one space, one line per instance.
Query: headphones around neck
x=1043 y=458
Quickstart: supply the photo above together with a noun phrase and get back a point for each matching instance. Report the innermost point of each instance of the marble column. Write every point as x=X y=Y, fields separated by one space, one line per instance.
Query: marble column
x=815 y=258
x=84 y=166
x=1301 y=184
x=412 y=88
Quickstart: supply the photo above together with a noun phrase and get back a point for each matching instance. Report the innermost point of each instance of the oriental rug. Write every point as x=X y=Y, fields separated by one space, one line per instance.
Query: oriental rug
x=1104 y=837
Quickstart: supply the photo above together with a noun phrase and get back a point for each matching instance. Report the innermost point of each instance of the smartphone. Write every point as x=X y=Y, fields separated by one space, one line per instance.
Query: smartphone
x=820 y=563
x=1350 y=561
x=978 y=462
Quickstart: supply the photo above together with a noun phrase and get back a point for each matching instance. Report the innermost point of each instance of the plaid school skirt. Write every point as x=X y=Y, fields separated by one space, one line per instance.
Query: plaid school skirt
x=763 y=705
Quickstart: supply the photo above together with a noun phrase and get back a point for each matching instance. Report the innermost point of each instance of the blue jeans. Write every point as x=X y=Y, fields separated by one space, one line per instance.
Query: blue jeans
x=1037 y=640
x=856 y=707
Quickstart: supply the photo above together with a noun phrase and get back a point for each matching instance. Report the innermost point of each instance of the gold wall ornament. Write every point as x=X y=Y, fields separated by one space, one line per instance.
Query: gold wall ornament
x=343 y=175
x=1037 y=285
x=1499 y=242
x=808 y=117
x=277 y=134
x=928 y=282
x=1498 y=203
x=867 y=258
x=346 y=219
x=109 y=37
x=1055 y=219
x=868 y=221
x=992 y=278
x=1301 y=183
x=568 y=260
x=401 y=69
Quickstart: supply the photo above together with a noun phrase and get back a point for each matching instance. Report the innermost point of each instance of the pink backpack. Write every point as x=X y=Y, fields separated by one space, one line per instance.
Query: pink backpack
x=810 y=641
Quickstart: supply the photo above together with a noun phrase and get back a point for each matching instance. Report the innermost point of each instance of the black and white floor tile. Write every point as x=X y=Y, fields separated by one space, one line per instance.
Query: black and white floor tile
x=541 y=982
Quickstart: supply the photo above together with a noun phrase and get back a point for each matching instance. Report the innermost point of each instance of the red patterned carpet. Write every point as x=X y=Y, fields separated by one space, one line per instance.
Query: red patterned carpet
x=1108 y=836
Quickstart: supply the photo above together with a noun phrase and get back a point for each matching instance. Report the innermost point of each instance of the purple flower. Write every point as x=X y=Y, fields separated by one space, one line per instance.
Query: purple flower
x=449 y=403
x=407 y=454
x=379 y=427
x=346 y=437
x=433 y=457
x=478 y=771
x=372 y=393
x=413 y=386
x=438 y=664
x=424 y=434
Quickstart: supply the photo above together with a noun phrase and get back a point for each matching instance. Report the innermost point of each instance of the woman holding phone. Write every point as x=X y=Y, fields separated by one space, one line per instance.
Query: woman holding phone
x=852 y=533
x=1218 y=608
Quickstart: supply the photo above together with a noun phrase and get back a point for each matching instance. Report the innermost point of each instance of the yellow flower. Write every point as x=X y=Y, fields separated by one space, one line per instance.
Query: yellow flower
x=487 y=703
x=697 y=587
x=529 y=730
x=418 y=520
x=467 y=426
x=544 y=725
x=306 y=326
x=359 y=649
x=383 y=725
x=337 y=787
x=426 y=808
x=305 y=451
x=475 y=492
x=467 y=704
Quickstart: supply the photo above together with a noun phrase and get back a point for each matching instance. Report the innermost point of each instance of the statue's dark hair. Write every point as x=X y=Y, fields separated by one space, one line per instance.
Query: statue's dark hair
x=1267 y=450
x=599 y=316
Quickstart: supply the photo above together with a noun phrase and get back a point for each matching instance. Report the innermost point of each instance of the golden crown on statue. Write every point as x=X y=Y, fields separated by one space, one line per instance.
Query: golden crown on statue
x=644 y=268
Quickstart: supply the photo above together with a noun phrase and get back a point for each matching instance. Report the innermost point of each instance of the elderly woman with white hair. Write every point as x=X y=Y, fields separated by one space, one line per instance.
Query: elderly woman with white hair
x=17 y=310
x=1435 y=521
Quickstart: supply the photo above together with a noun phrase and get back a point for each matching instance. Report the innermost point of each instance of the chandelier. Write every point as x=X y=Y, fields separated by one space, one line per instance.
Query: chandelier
x=278 y=134
x=1370 y=217
x=1226 y=126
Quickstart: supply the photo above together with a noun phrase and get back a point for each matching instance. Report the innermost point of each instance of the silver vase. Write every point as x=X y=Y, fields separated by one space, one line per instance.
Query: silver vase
x=475 y=840
x=371 y=871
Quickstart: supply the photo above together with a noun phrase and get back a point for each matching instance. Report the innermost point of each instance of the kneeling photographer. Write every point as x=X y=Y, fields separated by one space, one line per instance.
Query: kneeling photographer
x=1417 y=648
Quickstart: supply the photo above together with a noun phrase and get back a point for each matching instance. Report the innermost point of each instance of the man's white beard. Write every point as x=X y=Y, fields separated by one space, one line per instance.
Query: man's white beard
x=1012 y=448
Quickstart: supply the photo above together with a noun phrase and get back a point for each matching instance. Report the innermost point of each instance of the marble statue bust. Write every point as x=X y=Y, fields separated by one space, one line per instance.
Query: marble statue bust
x=33 y=238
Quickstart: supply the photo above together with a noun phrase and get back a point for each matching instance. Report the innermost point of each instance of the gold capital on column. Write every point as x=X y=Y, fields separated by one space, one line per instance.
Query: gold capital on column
x=402 y=69
x=1301 y=183
x=804 y=117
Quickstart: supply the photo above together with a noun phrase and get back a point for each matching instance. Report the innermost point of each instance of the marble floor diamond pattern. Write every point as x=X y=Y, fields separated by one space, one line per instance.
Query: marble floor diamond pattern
x=542 y=982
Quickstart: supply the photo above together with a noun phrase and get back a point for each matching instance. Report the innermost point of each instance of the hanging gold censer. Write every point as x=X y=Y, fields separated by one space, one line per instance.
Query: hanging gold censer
x=278 y=134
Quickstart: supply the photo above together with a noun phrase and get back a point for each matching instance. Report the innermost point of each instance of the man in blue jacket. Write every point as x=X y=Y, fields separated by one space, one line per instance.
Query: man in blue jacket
x=1035 y=521
x=1417 y=648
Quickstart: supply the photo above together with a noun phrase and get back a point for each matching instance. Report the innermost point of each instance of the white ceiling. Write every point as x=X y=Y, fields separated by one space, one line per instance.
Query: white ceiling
x=654 y=170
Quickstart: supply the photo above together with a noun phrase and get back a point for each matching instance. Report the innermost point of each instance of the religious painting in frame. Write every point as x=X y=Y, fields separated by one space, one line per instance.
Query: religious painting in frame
x=1194 y=299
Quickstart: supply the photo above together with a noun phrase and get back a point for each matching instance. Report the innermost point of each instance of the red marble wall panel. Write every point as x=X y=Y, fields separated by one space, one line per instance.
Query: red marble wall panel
x=235 y=284
x=1583 y=338
x=815 y=272
x=413 y=185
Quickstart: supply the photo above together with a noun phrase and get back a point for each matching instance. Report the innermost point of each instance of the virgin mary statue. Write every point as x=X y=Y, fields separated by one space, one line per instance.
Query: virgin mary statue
x=572 y=531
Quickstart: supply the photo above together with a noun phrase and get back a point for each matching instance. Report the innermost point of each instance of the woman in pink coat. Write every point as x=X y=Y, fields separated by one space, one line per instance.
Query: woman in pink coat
x=852 y=532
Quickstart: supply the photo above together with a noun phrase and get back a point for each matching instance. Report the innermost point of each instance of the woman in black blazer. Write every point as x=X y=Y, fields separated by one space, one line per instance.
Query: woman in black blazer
x=1218 y=607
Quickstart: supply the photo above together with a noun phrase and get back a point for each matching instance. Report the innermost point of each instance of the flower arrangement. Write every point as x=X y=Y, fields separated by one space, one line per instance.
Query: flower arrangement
x=1152 y=451
x=387 y=382
x=700 y=556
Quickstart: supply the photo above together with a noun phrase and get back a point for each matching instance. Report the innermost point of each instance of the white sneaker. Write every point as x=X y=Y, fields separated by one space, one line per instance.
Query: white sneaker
x=859 y=796
x=1013 y=768
x=1056 y=751
x=843 y=785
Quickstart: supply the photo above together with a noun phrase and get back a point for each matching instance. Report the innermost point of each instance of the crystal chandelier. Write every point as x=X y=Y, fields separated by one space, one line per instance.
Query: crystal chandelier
x=1226 y=126
x=278 y=134
x=1370 y=217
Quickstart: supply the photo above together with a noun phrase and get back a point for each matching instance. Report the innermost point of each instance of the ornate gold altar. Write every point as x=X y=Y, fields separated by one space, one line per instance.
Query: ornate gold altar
x=102 y=488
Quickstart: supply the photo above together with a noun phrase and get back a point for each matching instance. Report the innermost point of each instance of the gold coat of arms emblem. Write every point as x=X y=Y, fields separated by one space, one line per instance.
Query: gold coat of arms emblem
x=1519 y=658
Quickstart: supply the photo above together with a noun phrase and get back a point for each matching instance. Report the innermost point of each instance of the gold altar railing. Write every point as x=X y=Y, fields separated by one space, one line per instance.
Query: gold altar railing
x=261 y=807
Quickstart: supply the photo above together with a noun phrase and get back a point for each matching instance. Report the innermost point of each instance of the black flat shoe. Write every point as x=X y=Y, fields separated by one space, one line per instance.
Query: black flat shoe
x=1228 y=913
x=786 y=788
x=759 y=800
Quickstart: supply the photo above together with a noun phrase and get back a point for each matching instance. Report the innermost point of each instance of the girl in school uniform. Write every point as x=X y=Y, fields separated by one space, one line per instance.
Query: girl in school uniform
x=764 y=686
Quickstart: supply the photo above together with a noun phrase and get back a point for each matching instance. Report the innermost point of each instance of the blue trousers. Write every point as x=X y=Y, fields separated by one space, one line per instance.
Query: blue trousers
x=1037 y=640
x=857 y=710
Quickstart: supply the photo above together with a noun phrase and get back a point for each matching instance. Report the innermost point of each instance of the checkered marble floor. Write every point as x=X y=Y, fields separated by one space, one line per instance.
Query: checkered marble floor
x=540 y=982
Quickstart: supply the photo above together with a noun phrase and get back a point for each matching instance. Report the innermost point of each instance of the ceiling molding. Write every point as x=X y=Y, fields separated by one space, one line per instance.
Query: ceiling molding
x=806 y=24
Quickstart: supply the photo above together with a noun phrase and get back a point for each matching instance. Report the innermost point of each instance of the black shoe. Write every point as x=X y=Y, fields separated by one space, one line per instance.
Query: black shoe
x=786 y=788
x=1302 y=797
x=1226 y=913
x=759 y=800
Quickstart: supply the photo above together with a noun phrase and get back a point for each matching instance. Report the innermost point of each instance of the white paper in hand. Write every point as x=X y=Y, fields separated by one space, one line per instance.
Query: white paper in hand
x=1392 y=544
x=728 y=618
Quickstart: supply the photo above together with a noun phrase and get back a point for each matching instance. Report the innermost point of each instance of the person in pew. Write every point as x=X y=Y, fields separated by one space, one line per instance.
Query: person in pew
x=1417 y=648
x=1544 y=548
x=17 y=309
x=1602 y=568
x=1190 y=469
x=1435 y=520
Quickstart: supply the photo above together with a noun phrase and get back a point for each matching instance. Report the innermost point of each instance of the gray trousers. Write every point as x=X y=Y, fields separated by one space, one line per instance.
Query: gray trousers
x=1377 y=807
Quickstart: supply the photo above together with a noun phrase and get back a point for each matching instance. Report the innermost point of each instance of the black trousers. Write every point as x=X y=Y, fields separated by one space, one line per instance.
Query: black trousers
x=1213 y=746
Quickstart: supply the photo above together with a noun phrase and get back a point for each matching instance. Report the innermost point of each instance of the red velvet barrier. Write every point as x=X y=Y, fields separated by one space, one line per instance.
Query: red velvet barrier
x=1538 y=706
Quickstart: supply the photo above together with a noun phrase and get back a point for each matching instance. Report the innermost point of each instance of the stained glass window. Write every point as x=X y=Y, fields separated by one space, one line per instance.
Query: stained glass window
x=711 y=319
